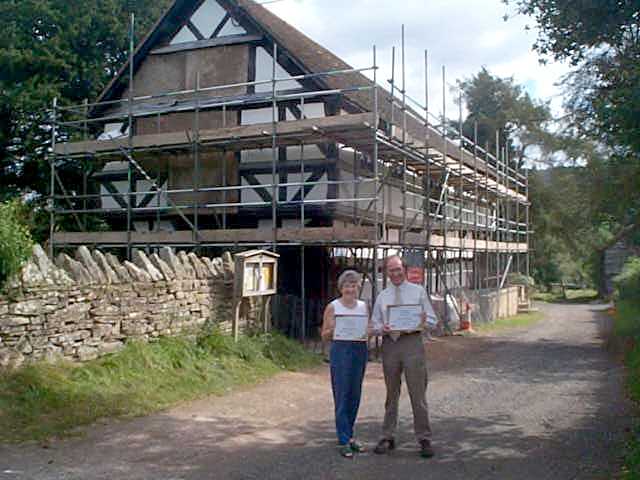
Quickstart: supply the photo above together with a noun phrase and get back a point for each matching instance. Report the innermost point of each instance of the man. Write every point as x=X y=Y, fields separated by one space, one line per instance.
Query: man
x=403 y=352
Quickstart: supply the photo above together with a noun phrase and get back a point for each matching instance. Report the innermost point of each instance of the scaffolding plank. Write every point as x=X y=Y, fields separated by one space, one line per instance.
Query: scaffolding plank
x=311 y=234
x=314 y=129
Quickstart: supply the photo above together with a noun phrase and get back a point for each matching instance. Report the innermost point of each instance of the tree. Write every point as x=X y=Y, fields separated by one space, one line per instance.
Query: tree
x=500 y=105
x=601 y=38
x=68 y=49
x=563 y=217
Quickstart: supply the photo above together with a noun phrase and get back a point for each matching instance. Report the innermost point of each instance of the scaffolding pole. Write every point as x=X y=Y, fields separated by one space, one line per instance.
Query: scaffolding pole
x=445 y=210
x=476 y=277
x=527 y=206
x=427 y=203
x=460 y=189
x=274 y=151
x=52 y=173
x=404 y=145
x=130 y=175
x=196 y=162
x=374 y=289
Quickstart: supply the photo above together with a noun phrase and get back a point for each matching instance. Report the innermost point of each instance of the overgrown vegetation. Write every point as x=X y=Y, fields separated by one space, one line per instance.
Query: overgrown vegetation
x=580 y=295
x=43 y=400
x=15 y=240
x=628 y=282
x=627 y=327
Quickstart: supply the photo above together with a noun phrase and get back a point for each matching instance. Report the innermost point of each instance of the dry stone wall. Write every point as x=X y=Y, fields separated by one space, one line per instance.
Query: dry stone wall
x=84 y=307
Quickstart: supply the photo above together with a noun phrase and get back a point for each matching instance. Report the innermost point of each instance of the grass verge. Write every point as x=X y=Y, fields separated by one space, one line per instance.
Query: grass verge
x=43 y=400
x=573 y=296
x=519 y=320
x=627 y=326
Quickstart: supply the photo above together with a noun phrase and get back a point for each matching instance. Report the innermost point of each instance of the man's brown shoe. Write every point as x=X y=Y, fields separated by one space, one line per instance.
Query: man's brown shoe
x=385 y=446
x=426 y=450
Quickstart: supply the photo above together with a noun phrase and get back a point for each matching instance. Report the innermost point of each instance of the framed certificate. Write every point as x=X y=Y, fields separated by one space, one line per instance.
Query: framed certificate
x=404 y=318
x=351 y=327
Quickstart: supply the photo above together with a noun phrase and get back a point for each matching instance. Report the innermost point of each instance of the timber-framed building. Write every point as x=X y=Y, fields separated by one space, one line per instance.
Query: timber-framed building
x=230 y=129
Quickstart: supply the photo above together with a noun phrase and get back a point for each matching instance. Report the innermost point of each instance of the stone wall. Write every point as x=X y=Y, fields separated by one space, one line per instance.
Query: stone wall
x=84 y=307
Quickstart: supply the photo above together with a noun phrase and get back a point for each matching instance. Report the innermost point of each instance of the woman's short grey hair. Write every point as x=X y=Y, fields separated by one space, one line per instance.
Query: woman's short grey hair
x=348 y=276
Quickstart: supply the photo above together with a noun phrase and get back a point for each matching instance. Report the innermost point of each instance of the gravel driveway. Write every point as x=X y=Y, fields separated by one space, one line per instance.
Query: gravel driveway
x=544 y=402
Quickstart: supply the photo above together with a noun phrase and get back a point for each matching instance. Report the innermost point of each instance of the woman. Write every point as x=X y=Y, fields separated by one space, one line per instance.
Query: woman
x=348 y=360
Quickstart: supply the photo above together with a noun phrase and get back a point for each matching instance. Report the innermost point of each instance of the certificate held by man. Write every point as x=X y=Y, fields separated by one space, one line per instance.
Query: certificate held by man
x=351 y=327
x=405 y=318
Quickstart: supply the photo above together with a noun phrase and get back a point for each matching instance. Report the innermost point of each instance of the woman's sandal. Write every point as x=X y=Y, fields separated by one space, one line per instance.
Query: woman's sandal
x=346 y=451
x=356 y=447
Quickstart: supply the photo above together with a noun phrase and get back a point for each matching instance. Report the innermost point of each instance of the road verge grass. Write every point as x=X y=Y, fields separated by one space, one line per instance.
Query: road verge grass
x=44 y=400
x=515 y=321
x=627 y=328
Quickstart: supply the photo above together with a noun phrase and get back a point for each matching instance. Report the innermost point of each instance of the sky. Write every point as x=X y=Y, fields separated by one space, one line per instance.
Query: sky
x=462 y=35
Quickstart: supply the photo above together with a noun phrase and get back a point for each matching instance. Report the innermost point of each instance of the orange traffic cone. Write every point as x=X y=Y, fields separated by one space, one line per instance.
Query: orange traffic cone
x=465 y=321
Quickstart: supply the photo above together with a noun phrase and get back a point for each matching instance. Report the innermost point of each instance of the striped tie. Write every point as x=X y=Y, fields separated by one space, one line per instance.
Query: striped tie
x=397 y=300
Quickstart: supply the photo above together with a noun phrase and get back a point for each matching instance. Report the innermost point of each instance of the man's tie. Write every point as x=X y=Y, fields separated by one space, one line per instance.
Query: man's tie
x=397 y=300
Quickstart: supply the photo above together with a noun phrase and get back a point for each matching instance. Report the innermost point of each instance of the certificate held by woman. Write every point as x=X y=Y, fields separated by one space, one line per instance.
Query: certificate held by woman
x=351 y=327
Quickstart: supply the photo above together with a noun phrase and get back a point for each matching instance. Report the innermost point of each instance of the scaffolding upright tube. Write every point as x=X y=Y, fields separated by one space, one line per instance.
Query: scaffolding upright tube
x=517 y=233
x=130 y=174
x=460 y=190
x=508 y=262
x=375 y=175
x=196 y=161
x=274 y=150
x=303 y=288
x=427 y=161
x=52 y=173
x=475 y=205
x=444 y=197
x=528 y=258
x=487 y=229
x=403 y=236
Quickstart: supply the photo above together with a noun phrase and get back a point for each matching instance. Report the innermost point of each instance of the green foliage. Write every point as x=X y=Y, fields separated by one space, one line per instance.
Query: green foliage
x=42 y=400
x=564 y=219
x=567 y=201
x=569 y=29
x=580 y=295
x=601 y=38
x=627 y=326
x=628 y=281
x=501 y=105
x=627 y=322
x=520 y=279
x=15 y=240
x=68 y=49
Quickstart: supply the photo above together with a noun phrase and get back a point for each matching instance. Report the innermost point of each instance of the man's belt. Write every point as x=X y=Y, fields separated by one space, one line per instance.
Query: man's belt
x=414 y=332
x=406 y=334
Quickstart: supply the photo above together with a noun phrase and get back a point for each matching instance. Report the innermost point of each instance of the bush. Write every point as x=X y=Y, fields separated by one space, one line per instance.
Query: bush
x=628 y=281
x=15 y=240
x=520 y=279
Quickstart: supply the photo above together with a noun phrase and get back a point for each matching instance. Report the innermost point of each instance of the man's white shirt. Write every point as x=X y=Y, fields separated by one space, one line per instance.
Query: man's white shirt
x=409 y=294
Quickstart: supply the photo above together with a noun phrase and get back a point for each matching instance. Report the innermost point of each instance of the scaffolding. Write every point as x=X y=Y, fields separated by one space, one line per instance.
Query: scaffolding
x=414 y=182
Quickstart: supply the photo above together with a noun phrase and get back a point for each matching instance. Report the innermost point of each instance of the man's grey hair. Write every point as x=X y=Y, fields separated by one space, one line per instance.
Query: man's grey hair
x=348 y=276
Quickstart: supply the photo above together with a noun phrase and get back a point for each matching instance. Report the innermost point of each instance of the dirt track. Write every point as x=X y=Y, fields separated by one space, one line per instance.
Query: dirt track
x=537 y=403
